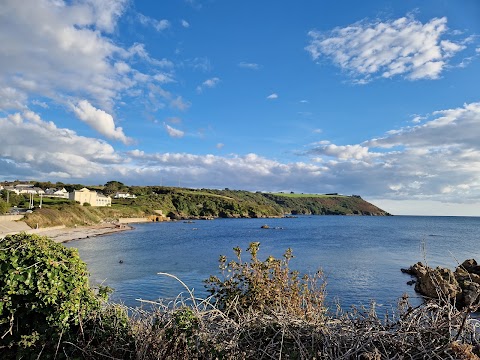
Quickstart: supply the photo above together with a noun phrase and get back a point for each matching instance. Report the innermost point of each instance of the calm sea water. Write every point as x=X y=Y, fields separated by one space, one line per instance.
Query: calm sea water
x=361 y=256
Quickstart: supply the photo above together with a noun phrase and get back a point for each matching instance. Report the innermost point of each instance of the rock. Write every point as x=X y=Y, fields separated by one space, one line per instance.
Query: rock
x=462 y=276
x=471 y=266
x=471 y=293
x=435 y=283
x=265 y=226
x=411 y=282
x=463 y=285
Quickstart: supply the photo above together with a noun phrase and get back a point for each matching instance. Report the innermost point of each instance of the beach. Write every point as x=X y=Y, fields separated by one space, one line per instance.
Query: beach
x=82 y=232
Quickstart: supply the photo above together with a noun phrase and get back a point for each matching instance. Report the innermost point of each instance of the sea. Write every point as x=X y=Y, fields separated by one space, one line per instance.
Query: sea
x=361 y=256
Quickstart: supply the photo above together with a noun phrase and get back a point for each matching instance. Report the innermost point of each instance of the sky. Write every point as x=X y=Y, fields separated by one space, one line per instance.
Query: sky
x=375 y=98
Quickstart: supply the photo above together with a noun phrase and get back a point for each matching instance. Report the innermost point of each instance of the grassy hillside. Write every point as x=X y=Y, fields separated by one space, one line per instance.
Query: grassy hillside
x=75 y=214
x=181 y=203
x=325 y=204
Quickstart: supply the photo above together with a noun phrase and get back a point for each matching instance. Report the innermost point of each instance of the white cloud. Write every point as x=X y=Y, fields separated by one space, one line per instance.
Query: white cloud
x=251 y=171
x=64 y=52
x=220 y=146
x=40 y=103
x=50 y=152
x=172 y=132
x=437 y=160
x=175 y=102
x=163 y=78
x=406 y=47
x=252 y=66
x=417 y=119
x=209 y=83
x=345 y=152
x=158 y=25
x=272 y=96
x=11 y=98
x=99 y=120
x=106 y=13
x=179 y=103
x=185 y=23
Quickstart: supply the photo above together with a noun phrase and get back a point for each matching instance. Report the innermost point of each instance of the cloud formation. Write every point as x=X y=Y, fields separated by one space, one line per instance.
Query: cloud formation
x=436 y=160
x=158 y=25
x=272 y=96
x=403 y=47
x=66 y=52
x=172 y=132
x=50 y=152
x=99 y=120
x=209 y=83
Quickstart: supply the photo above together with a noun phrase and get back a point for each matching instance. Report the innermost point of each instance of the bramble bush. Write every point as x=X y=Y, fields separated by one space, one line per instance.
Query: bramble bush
x=44 y=294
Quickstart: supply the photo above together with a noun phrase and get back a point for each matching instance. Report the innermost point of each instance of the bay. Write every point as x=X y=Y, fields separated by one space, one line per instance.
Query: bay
x=360 y=256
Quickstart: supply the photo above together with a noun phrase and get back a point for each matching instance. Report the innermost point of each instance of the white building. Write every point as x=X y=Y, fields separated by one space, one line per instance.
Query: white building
x=57 y=193
x=123 y=195
x=91 y=197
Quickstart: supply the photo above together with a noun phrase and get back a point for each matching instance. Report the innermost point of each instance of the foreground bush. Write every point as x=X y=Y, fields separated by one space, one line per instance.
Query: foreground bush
x=44 y=296
x=269 y=285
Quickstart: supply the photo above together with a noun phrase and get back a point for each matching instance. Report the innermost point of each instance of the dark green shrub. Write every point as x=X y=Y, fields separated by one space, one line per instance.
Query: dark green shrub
x=44 y=293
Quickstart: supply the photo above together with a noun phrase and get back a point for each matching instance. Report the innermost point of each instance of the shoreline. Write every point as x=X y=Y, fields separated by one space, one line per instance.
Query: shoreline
x=82 y=232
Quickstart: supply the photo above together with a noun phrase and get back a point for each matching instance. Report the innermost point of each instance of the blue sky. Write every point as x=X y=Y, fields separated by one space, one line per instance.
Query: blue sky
x=377 y=98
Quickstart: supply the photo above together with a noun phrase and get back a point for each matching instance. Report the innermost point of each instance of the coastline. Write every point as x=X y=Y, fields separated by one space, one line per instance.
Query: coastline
x=82 y=232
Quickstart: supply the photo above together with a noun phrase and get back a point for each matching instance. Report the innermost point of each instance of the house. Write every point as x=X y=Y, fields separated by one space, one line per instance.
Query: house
x=123 y=195
x=103 y=200
x=91 y=197
x=12 y=189
x=56 y=193
x=39 y=191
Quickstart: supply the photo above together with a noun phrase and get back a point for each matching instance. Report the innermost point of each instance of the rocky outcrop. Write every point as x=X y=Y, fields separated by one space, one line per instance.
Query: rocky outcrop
x=461 y=286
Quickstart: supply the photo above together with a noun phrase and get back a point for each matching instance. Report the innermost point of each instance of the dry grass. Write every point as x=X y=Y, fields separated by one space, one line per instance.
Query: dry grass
x=197 y=329
x=231 y=324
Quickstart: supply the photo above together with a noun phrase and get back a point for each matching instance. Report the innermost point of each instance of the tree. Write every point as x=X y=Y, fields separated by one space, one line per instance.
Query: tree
x=13 y=199
x=3 y=207
x=112 y=187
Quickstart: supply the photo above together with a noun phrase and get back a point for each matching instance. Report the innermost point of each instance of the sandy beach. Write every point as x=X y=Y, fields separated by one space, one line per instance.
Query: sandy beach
x=82 y=232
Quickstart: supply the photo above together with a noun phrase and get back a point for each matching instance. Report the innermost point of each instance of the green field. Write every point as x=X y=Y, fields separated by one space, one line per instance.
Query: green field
x=290 y=195
x=205 y=193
